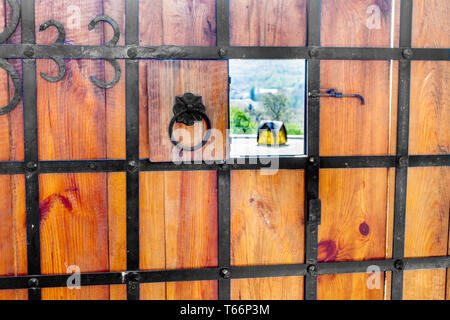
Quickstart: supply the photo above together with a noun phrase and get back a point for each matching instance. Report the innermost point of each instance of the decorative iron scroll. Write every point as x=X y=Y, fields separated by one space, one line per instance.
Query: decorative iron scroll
x=6 y=34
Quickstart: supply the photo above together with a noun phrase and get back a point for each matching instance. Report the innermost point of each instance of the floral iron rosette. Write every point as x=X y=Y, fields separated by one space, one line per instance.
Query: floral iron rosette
x=188 y=109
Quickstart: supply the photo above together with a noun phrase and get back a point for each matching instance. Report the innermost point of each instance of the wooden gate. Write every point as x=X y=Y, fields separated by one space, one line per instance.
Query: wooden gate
x=89 y=186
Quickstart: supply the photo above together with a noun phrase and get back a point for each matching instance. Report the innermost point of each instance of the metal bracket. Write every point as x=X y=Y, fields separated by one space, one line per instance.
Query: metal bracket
x=332 y=93
x=315 y=211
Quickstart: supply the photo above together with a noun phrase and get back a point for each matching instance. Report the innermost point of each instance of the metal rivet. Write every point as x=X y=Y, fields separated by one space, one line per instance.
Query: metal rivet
x=132 y=165
x=312 y=160
x=225 y=273
x=31 y=166
x=29 y=52
x=399 y=265
x=312 y=269
x=222 y=52
x=313 y=52
x=132 y=53
x=407 y=53
x=133 y=277
x=92 y=165
x=33 y=283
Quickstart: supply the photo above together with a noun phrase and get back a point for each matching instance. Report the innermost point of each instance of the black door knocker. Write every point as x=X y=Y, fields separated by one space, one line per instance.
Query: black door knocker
x=188 y=109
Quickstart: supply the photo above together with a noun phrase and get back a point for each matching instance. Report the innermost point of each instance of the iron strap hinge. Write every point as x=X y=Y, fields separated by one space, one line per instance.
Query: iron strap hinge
x=315 y=211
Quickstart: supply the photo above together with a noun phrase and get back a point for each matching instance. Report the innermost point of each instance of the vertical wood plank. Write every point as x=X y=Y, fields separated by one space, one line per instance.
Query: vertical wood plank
x=348 y=128
x=74 y=229
x=13 y=239
x=427 y=229
x=168 y=79
x=354 y=217
x=356 y=23
x=430 y=24
x=267 y=227
x=430 y=108
x=174 y=22
x=178 y=229
x=284 y=288
x=71 y=112
x=268 y=23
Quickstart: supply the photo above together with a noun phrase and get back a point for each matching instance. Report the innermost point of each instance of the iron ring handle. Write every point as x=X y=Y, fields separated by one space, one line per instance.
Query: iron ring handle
x=205 y=139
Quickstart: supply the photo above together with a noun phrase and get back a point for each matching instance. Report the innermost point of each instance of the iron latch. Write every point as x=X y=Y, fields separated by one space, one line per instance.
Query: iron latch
x=315 y=211
x=332 y=93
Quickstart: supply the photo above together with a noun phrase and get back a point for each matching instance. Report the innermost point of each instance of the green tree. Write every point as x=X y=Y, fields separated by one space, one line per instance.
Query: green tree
x=277 y=106
x=240 y=121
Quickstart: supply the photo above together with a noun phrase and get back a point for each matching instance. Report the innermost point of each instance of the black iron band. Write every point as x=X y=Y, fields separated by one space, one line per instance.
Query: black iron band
x=203 y=274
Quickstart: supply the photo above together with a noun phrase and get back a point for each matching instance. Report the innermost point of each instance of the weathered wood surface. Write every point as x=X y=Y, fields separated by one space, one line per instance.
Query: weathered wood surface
x=430 y=108
x=268 y=23
x=427 y=229
x=357 y=23
x=167 y=79
x=178 y=229
x=430 y=24
x=353 y=227
x=77 y=120
x=267 y=227
x=174 y=22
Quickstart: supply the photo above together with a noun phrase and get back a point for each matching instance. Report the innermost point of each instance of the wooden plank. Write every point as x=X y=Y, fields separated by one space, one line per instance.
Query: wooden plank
x=348 y=287
x=74 y=229
x=430 y=24
x=268 y=23
x=178 y=229
x=13 y=238
x=430 y=108
x=168 y=79
x=427 y=229
x=68 y=130
x=116 y=149
x=348 y=128
x=285 y=288
x=356 y=23
x=174 y=22
x=267 y=227
x=353 y=228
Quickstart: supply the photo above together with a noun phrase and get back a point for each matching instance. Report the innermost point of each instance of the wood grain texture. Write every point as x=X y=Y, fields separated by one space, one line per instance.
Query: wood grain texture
x=13 y=238
x=175 y=22
x=430 y=24
x=348 y=287
x=430 y=108
x=168 y=79
x=267 y=218
x=178 y=229
x=348 y=128
x=285 y=288
x=74 y=229
x=427 y=229
x=353 y=228
x=268 y=23
x=267 y=227
x=356 y=23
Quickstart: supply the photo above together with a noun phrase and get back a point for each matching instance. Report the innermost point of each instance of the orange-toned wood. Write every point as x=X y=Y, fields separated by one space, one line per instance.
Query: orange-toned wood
x=168 y=79
x=13 y=239
x=427 y=229
x=430 y=24
x=286 y=288
x=174 y=22
x=354 y=217
x=356 y=23
x=430 y=108
x=347 y=127
x=74 y=229
x=268 y=22
x=348 y=287
x=267 y=215
x=267 y=227
x=178 y=229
